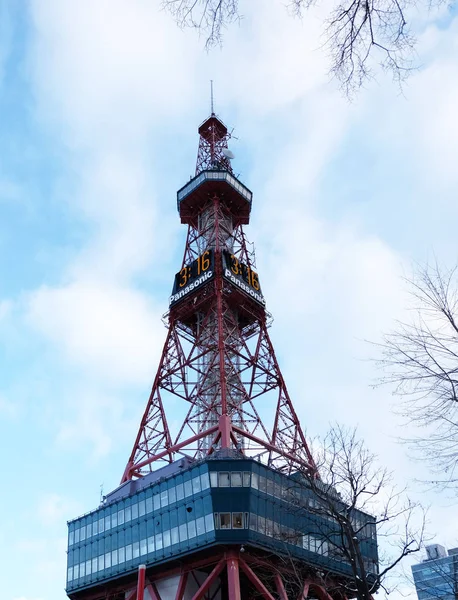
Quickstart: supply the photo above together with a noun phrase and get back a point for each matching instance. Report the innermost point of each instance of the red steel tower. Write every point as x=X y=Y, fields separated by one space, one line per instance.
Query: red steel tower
x=209 y=506
x=218 y=356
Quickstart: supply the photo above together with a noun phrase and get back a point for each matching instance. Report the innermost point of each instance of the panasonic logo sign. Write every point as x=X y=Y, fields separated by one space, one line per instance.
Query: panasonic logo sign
x=189 y=288
x=243 y=286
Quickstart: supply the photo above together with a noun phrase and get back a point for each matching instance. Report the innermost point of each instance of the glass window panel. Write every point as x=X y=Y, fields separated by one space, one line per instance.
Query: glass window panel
x=141 y=508
x=236 y=479
x=209 y=523
x=77 y=535
x=128 y=513
x=200 y=525
x=128 y=552
x=94 y=565
x=76 y=572
x=224 y=520
x=277 y=489
x=191 y=529
x=183 y=532
x=100 y=562
x=121 y=516
x=83 y=569
x=224 y=479
x=214 y=478
x=164 y=498
x=151 y=546
x=246 y=479
x=88 y=567
x=270 y=487
x=262 y=483
x=269 y=527
x=107 y=560
x=71 y=538
x=158 y=541
x=101 y=525
x=114 y=558
x=187 y=489
x=114 y=519
x=166 y=538
x=261 y=524
x=121 y=555
x=70 y=574
x=143 y=547
x=180 y=491
x=135 y=549
x=83 y=533
x=174 y=535
x=107 y=522
x=172 y=495
x=135 y=511
x=254 y=481
x=204 y=481
x=237 y=520
x=149 y=505
x=196 y=485
x=157 y=502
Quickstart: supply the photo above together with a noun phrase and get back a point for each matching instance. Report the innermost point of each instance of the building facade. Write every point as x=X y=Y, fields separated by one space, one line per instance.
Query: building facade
x=436 y=578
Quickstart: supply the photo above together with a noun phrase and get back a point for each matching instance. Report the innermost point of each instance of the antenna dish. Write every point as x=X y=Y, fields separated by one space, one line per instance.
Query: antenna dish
x=228 y=154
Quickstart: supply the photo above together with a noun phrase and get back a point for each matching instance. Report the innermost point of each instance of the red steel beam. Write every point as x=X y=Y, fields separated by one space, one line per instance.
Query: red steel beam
x=210 y=579
x=174 y=448
x=233 y=576
x=280 y=587
x=305 y=590
x=182 y=586
x=271 y=447
x=256 y=581
x=141 y=582
x=153 y=591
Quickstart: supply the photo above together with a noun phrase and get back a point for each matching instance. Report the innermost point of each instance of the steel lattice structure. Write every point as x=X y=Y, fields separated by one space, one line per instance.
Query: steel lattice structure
x=218 y=357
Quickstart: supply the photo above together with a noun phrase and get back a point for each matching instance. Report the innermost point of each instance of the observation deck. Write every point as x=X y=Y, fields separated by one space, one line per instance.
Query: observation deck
x=189 y=507
x=193 y=196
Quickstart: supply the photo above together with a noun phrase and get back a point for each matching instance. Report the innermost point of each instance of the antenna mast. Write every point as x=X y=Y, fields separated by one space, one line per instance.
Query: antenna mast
x=211 y=98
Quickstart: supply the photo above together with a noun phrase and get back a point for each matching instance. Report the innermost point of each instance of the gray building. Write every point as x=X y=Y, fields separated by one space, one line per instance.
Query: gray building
x=436 y=578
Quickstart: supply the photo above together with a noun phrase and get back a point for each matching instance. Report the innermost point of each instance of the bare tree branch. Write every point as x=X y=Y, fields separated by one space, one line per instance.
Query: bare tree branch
x=420 y=358
x=357 y=34
x=354 y=504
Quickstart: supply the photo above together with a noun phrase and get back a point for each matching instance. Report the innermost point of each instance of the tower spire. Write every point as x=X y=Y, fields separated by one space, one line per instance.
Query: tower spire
x=211 y=98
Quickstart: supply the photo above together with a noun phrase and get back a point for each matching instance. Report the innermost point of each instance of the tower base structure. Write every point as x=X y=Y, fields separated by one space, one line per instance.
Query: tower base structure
x=223 y=528
x=228 y=574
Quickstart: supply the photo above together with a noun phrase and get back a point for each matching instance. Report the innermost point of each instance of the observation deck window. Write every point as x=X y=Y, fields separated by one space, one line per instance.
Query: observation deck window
x=224 y=520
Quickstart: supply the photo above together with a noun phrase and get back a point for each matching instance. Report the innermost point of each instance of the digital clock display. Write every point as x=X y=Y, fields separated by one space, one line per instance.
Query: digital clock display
x=242 y=276
x=193 y=276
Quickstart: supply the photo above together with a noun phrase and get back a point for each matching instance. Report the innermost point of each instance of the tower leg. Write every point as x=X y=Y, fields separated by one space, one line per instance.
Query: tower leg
x=141 y=582
x=233 y=576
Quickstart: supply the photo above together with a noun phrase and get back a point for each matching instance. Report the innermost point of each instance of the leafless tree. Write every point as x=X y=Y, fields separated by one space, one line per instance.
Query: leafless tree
x=420 y=358
x=341 y=516
x=357 y=33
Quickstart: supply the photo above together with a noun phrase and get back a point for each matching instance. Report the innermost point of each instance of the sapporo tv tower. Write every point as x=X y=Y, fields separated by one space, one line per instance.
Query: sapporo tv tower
x=219 y=509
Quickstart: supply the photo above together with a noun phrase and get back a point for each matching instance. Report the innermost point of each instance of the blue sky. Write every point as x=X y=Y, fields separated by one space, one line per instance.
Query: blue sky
x=99 y=108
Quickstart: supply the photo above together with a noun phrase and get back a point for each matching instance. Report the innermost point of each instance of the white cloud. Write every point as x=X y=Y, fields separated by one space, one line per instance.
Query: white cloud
x=53 y=509
x=112 y=331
